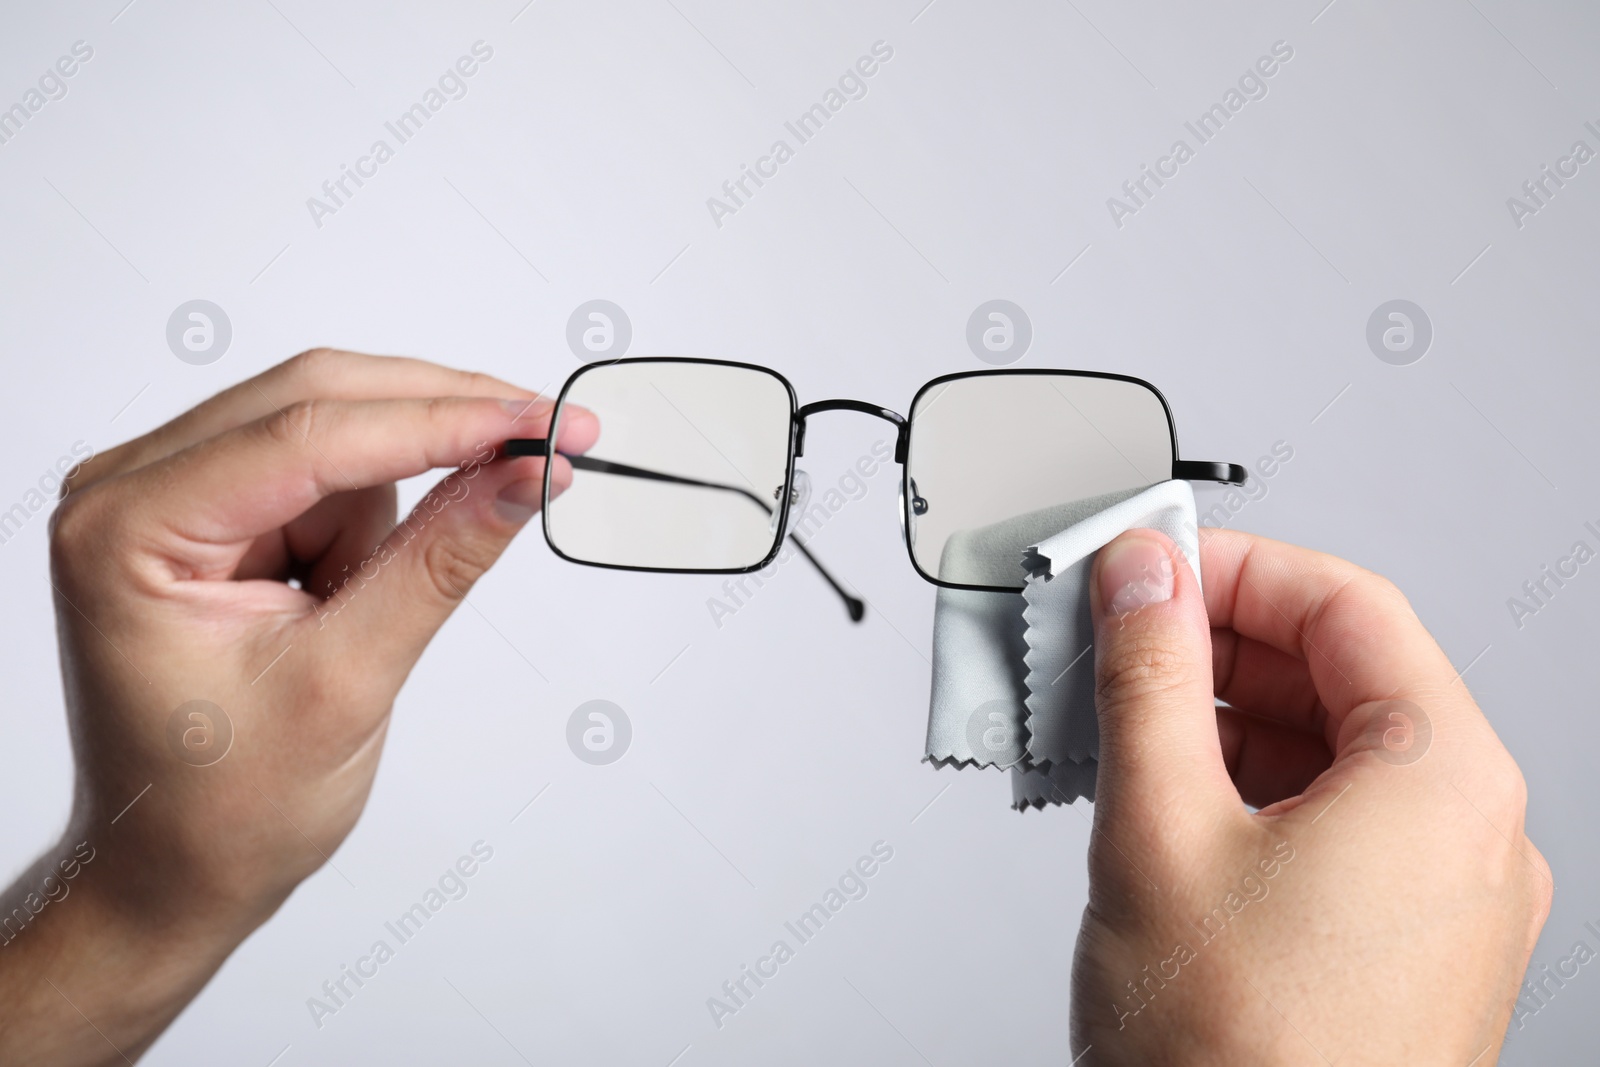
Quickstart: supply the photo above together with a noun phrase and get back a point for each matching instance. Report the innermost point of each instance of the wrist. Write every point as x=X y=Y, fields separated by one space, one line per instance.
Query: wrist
x=95 y=960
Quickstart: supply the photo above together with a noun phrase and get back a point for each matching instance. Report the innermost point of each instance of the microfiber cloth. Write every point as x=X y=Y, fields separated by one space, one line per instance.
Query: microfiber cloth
x=1013 y=673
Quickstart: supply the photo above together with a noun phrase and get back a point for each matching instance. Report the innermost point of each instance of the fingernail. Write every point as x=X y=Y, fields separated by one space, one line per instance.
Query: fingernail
x=518 y=501
x=1134 y=572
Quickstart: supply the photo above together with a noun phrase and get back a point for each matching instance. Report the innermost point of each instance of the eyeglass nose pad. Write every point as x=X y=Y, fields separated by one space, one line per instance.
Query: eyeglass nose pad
x=919 y=506
x=799 y=499
x=908 y=527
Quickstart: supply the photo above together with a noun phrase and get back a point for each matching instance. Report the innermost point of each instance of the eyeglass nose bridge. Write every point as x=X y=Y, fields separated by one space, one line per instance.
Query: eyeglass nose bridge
x=902 y=428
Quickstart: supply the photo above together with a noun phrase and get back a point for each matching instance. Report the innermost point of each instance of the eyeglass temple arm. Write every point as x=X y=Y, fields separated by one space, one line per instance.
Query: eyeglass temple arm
x=533 y=446
x=1198 y=470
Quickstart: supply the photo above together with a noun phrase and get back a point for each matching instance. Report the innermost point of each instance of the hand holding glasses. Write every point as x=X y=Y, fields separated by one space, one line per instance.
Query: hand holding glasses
x=699 y=470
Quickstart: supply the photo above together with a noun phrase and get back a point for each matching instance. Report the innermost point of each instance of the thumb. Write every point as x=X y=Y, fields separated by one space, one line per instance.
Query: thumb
x=1161 y=763
x=396 y=601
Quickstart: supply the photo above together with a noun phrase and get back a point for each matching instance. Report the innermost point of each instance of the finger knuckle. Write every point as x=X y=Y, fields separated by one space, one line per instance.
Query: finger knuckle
x=87 y=472
x=1361 y=594
x=1503 y=788
x=1544 y=886
x=1516 y=788
x=1140 y=667
x=439 y=410
x=312 y=364
x=454 y=566
x=477 y=383
x=1378 y=589
x=77 y=526
x=295 y=424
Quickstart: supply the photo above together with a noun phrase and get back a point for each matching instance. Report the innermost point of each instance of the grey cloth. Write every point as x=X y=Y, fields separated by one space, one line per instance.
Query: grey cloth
x=1013 y=673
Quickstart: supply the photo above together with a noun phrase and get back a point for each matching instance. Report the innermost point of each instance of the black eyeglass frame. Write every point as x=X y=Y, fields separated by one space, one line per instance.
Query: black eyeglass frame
x=1189 y=470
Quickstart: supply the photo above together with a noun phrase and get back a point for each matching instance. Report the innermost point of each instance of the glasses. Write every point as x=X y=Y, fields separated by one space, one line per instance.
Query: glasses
x=699 y=472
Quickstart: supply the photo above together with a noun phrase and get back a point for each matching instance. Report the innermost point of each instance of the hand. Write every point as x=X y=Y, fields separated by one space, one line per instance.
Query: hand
x=1379 y=908
x=245 y=555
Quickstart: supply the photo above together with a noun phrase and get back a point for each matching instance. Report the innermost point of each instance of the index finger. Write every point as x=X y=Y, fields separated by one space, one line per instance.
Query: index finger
x=252 y=479
x=1356 y=633
x=319 y=373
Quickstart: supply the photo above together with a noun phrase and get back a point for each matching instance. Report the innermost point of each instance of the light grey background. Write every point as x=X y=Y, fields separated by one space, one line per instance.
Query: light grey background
x=769 y=753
